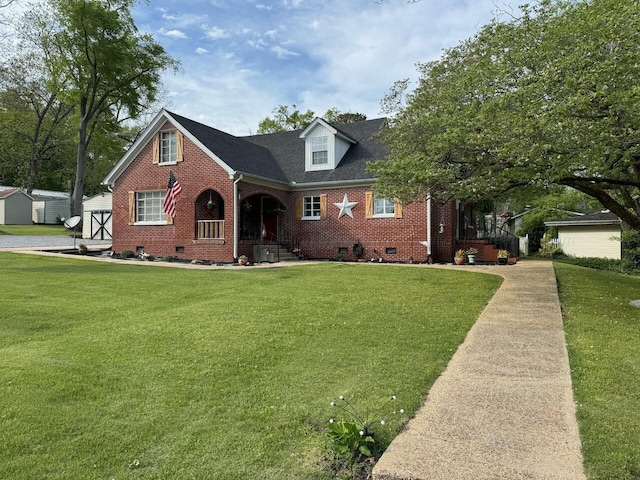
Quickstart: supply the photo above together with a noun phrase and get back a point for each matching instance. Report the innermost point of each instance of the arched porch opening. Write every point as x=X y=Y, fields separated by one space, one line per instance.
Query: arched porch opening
x=209 y=215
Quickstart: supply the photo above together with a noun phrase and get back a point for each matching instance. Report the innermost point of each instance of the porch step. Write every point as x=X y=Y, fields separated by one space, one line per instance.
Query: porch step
x=273 y=253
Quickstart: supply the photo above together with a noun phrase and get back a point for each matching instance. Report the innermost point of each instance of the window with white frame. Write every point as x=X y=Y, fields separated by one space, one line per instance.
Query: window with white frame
x=319 y=151
x=384 y=207
x=311 y=207
x=168 y=148
x=149 y=207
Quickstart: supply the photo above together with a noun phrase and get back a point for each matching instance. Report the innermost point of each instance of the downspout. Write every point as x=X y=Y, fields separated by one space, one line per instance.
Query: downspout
x=429 y=226
x=235 y=216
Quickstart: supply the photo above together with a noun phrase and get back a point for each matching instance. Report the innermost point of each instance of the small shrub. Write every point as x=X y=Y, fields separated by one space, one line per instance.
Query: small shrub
x=547 y=248
x=353 y=439
x=168 y=258
x=127 y=254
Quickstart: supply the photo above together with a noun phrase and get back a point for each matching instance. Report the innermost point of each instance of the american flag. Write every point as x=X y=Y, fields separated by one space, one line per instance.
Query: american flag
x=173 y=190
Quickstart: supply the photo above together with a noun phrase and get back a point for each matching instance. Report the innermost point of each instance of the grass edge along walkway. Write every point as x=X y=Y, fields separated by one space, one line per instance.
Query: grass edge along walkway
x=603 y=334
x=503 y=408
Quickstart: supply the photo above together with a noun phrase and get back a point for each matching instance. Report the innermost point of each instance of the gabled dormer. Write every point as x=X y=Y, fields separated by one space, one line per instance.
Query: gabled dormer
x=325 y=145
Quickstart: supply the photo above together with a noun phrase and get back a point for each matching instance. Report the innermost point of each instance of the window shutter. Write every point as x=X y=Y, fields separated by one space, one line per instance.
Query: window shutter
x=323 y=206
x=368 y=204
x=179 y=146
x=132 y=208
x=156 y=149
x=299 y=207
x=397 y=209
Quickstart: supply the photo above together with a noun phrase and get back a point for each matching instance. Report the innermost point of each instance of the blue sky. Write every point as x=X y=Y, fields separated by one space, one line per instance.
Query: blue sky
x=242 y=58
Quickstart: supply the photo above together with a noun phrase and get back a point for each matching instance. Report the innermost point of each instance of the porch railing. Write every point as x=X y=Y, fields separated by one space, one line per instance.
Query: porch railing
x=210 y=229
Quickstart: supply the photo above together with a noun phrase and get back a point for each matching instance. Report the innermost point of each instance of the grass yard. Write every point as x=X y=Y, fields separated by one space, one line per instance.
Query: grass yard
x=114 y=371
x=46 y=230
x=603 y=339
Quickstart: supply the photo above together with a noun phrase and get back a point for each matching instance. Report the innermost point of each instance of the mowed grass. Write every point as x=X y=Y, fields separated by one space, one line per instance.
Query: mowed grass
x=603 y=339
x=116 y=371
x=41 y=230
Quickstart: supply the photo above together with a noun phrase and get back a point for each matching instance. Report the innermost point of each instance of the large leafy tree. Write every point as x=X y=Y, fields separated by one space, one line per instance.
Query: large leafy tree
x=36 y=122
x=285 y=119
x=550 y=97
x=102 y=65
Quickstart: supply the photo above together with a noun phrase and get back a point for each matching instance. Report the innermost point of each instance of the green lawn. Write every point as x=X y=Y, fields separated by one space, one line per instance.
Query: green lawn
x=113 y=371
x=33 y=230
x=603 y=339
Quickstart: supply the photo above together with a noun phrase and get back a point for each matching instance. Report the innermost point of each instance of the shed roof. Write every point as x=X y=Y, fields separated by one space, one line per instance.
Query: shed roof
x=597 y=218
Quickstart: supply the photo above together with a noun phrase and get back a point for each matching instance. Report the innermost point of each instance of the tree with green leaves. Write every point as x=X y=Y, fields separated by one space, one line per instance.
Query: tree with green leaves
x=36 y=119
x=550 y=97
x=286 y=120
x=99 y=63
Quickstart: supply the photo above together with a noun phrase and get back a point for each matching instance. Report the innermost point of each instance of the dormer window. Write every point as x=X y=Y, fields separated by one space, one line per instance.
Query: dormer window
x=324 y=146
x=319 y=151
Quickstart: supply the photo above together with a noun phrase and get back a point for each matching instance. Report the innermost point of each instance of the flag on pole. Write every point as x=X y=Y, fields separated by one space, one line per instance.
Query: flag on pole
x=173 y=190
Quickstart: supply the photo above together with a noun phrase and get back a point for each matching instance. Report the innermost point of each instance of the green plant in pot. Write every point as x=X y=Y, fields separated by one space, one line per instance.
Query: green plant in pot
x=82 y=249
x=503 y=257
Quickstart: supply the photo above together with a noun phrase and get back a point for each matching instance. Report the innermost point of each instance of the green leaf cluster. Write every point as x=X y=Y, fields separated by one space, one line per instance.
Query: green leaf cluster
x=549 y=97
x=348 y=440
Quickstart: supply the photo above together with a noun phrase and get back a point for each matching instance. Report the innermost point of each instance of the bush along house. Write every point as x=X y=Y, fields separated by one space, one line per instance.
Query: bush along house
x=272 y=197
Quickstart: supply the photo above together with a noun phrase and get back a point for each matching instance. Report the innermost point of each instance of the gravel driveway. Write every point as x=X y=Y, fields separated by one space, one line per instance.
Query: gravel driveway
x=31 y=241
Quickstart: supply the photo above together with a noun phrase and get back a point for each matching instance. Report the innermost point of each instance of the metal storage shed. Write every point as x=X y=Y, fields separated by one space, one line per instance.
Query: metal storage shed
x=15 y=207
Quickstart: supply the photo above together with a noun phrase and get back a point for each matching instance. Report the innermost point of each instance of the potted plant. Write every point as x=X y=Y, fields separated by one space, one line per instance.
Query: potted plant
x=459 y=256
x=503 y=257
x=243 y=260
x=471 y=254
x=82 y=249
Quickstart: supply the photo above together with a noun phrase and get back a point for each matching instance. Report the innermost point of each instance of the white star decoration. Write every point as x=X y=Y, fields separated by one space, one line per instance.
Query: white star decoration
x=345 y=207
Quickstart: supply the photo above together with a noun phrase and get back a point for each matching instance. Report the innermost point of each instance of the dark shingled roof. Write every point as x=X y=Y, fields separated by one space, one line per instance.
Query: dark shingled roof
x=281 y=156
x=597 y=218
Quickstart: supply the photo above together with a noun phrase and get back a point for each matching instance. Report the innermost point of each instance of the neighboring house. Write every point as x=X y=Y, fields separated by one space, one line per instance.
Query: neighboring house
x=15 y=207
x=304 y=191
x=96 y=217
x=592 y=235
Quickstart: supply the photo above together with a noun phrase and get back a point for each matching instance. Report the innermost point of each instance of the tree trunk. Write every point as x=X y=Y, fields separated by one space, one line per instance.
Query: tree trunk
x=78 y=188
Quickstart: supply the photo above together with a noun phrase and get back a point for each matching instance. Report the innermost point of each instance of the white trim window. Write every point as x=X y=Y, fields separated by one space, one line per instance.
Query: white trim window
x=149 y=207
x=168 y=147
x=384 y=207
x=319 y=151
x=311 y=208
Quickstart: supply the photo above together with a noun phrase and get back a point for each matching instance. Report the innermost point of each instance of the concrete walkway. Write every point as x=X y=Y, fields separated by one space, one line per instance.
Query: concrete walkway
x=503 y=408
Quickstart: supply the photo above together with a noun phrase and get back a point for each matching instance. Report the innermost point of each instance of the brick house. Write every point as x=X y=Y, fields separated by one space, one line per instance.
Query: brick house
x=264 y=196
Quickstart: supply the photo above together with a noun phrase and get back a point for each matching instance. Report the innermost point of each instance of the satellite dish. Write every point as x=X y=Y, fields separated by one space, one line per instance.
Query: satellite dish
x=73 y=222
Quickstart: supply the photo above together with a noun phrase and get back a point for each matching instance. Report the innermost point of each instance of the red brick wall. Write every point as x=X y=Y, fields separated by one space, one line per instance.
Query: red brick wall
x=196 y=173
x=323 y=238
x=316 y=238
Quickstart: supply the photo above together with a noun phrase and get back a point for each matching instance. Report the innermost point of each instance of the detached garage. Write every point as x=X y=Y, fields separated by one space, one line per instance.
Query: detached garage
x=96 y=217
x=592 y=235
x=15 y=207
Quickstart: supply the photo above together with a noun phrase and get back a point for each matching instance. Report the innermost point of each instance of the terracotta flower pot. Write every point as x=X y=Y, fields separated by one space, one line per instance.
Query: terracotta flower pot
x=459 y=260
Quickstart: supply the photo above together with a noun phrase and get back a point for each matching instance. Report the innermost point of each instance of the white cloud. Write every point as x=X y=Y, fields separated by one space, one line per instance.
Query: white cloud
x=215 y=33
x=173 y=33
x=271 y=33
x=282 y=52
x=261 y=6
x=201 y=51
x=258 y=44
